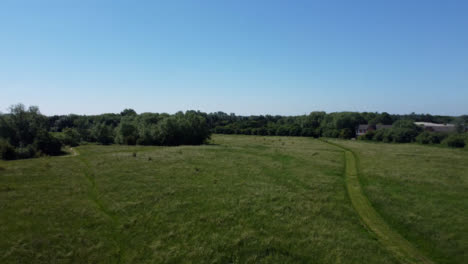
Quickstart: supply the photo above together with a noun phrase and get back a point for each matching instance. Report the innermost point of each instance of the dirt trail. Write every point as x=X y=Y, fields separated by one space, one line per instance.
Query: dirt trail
x=388 y=237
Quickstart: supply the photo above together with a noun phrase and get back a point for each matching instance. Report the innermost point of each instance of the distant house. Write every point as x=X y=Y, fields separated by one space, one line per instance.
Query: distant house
x=362 y=129
x=433 y=127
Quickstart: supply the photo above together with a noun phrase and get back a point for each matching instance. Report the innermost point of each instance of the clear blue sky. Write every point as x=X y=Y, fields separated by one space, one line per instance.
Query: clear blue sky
x=247 y=57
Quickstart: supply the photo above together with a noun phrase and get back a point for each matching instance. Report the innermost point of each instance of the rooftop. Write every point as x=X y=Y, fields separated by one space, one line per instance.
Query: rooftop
x=429 y=124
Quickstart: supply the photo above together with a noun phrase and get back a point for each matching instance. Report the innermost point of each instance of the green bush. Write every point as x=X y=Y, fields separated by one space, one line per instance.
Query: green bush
x=455 y=141
x=403 y=135
x=282 y=131
x=437 y=138
x=71 y=137
x=126 y=132
x=346 y=133
x=424 y=138
x=331 y=133
x=379 y=135
x=103 y=133
x=388 y=136
x=402 y=131
x=368 y=136
x=430 y=137
x=47 y=144
x=26 y=152
x=7 y=151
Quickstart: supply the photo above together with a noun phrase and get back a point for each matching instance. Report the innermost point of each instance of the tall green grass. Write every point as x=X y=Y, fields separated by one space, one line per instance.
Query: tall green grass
x=241 y=199
x=422 y=192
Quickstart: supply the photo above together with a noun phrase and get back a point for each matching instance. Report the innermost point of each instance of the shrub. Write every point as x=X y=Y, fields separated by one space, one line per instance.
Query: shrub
x=262 y=131
x=47 y=144
x=126 y=133
x=346 y=133
x=437 y=138
x=7 y=151
x=103 y=133
x=245 y=131
x=379 y=135
x=295 y=130
x=147 y=135
x=424 y=138
x=282 y=131
x=430 y=137
x=403 y=135
x=403 y=131
x=71 y=137
x=26 y=152
x=387 y=136
x=368 y=136
x=332 y=133
x=455 y=141
x=307 y=132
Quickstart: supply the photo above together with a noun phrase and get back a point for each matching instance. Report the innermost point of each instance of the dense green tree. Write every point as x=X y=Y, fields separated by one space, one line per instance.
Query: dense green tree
x=455 y=141
x=424 y=138
x=71 y=137
x=383 y=119
x=7 y=151
x=25 y=130
x=128 y=112
x=380 y=134
x=346 y=133
x=103 y=134
x=47 y=144
x=369 y=135
x=127 y=132
x=26 y=124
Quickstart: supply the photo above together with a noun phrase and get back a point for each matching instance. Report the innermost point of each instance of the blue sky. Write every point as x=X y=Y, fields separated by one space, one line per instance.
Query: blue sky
x=246 y=57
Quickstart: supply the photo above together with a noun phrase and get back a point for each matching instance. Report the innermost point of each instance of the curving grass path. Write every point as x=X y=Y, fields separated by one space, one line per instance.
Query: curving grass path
x=389 y=238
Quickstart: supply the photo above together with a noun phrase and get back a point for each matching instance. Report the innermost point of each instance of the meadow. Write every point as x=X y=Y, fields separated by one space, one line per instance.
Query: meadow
x=421 y=192
x=238 y=199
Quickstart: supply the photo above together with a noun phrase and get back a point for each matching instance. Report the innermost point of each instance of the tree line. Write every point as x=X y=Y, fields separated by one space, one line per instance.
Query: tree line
x=405 y=131
x=317 y=124
x=343 y=125
x=25 y=132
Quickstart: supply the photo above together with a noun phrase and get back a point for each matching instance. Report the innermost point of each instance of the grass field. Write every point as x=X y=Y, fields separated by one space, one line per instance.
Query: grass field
x=420 y=191
x=241 y=199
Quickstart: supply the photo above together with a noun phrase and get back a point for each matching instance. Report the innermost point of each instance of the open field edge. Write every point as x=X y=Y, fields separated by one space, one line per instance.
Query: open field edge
x=388 y=237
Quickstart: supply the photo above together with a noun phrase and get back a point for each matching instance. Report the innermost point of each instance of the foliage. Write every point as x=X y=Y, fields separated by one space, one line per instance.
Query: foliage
x=70 y=137
x=47 y=144
x=25 y=130
x=427 y=137
x=103 y=133
x=7 y=151
x=379 y=135
x=26 y=152
x=455 y=141
x=126 y=132
x=321 y=124
x=369 y=135
x=402 y=131
x=21 y=126
x=128 y=112
x=403 y=135
x=384 y=119
x=346 y=133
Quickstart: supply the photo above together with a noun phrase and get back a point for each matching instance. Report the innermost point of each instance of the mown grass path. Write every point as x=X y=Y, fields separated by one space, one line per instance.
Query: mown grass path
x=95 y=197
x=389 y=238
